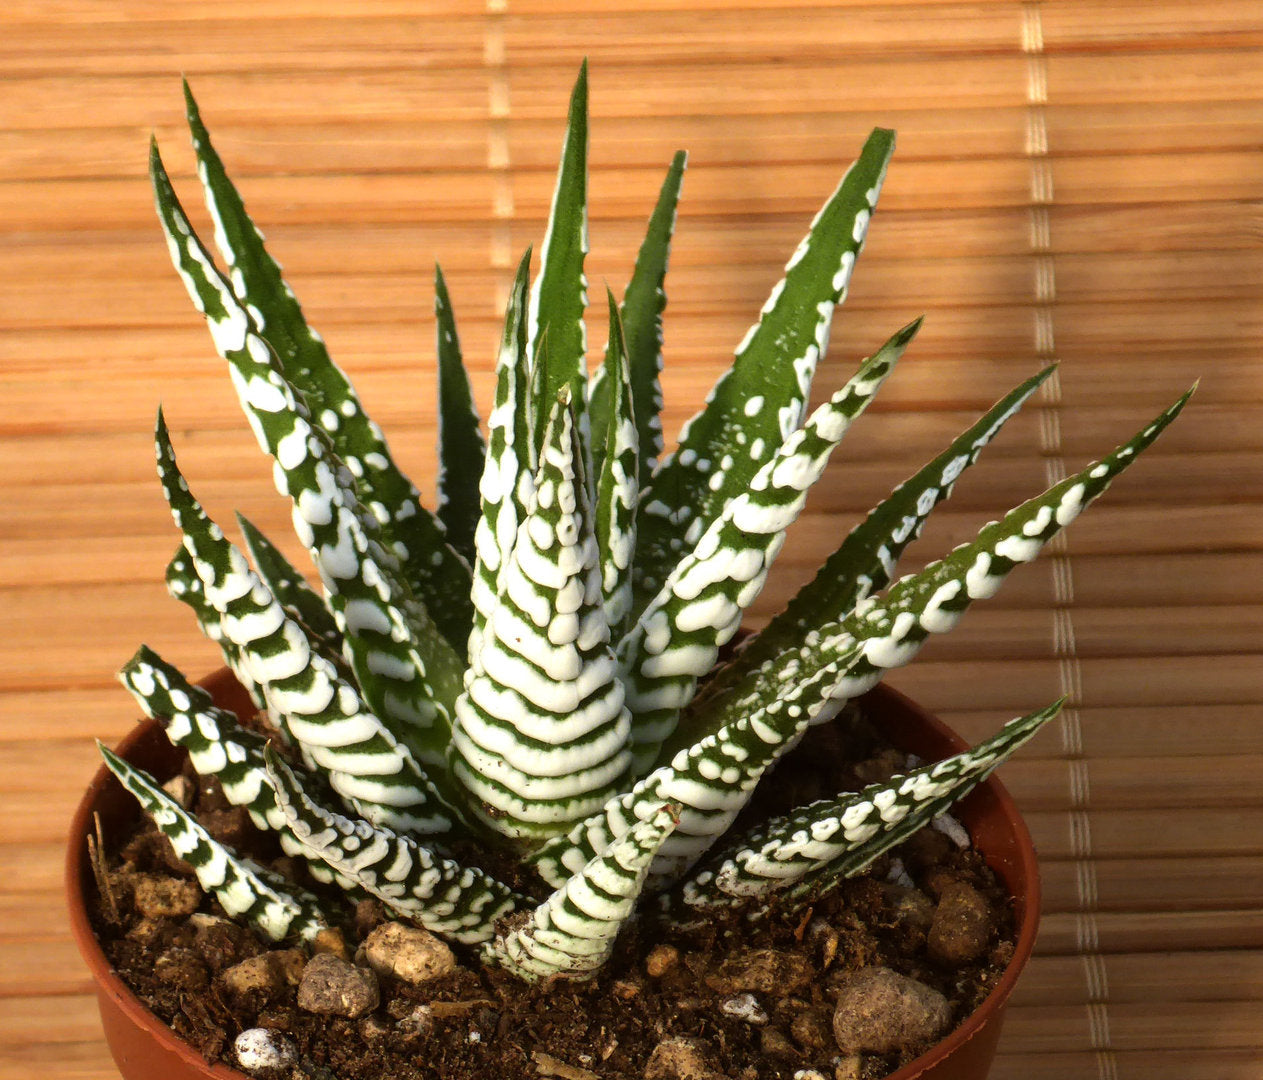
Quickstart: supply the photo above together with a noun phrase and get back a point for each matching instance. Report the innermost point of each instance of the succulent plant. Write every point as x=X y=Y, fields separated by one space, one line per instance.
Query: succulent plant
x=532 y=665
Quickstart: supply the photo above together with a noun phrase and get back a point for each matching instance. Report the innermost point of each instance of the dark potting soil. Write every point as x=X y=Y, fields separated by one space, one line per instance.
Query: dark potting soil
x=754 y=1000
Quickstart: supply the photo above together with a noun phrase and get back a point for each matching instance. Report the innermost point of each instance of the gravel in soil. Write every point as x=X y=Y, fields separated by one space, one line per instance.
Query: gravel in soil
x=854 y=986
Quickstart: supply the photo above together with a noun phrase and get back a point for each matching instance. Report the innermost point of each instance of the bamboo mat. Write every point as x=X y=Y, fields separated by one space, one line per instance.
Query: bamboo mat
x=1078 y=181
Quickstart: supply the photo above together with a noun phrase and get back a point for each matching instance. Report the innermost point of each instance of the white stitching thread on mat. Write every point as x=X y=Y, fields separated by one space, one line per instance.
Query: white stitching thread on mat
x=1069 y=669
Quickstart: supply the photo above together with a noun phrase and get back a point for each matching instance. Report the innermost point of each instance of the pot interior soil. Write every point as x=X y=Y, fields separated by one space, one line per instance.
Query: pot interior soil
x=929 y=926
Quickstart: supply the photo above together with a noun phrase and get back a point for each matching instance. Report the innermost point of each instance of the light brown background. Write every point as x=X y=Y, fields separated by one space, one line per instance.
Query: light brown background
x=1075 y=180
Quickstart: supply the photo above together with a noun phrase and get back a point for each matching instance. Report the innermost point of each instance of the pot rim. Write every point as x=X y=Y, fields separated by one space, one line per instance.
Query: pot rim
x=108 y=981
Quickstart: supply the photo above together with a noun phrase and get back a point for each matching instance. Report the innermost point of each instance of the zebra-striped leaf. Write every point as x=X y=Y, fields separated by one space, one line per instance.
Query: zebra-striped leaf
x=436 y=573
x=246 y=891
x=763 y=395
x=571 y=934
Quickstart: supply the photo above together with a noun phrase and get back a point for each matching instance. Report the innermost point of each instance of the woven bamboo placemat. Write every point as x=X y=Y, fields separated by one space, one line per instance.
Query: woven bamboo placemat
x=1075 y=181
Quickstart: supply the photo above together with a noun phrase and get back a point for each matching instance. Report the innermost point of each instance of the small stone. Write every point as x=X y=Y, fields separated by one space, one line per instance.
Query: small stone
x=880 y=1011
x=953 y=829
x=254 y=974
x=812 y=1030
x=165 y=898
x=261 y=1048
x=961 y=930
x=333 y=987
x=848 y=1068
x=231 y=826
x=661 y=959
x=330 y=940
x=773 y=1042
x=181 y=968
x=267 y=973
x=744 y=1007
x=145 y=931
x=809 y=1074
x=910 y=908
x=222 y=942
x=767 y=971
x=680 y=1059
x=372 y=1028
x=181 y=789
x=408 y=953
x=625 y=990
x=924 y=849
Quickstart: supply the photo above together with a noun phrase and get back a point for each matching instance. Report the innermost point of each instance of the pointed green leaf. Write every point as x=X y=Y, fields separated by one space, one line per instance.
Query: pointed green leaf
x=246 y=891
x=405 y=668
x=699 y=608
x=438 y=575
x=559 y=295
x=865 y=561
x=810 y=850
x=572 y=933
x=295 y=595
x=509 y=468
x=617 y=487
x=762 y=396
x=540 y=733
x=710 y=782
x=461 y=446
x=365 y=761
x=890 y=630
x=458 y=902
x=184 y=585
x=643 y=303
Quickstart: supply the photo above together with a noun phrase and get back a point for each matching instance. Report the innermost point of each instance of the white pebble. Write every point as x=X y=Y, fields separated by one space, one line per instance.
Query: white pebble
x=260 y=1048
x=744 y=1007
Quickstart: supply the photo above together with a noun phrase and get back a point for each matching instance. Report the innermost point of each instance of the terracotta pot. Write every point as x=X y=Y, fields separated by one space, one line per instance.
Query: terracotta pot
x=146 y=1049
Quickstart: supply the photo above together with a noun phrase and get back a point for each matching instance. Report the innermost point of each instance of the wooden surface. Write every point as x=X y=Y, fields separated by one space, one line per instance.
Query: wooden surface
x=1077 y=181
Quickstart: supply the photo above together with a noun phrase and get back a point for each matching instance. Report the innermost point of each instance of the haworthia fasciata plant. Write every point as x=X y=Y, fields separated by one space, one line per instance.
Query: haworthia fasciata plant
x=525 y=672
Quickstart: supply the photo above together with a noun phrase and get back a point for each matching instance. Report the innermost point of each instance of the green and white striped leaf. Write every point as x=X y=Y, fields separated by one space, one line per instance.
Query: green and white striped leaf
x=644 y=301
x=559 y=296
x=509 y=468
x=761 y=398
x=810 y=850
x=617 y=486
x=699 y=608
x=461 y=445
x=291 y=589
x=246 y=891
x=890 y=630
x=709 y=783
x=405 y=668
x=572 y=933
x=541 y=732
x=436 y=573
x=865 y=561
x=184 y=585
x=458 y=902
x=364 y=760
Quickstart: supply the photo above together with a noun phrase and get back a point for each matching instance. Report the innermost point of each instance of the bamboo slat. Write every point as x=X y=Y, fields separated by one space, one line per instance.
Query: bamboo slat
x=1075 y=181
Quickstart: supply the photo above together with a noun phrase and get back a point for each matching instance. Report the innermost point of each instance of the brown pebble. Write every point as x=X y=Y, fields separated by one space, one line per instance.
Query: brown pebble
x=231 y=826
x=880 y=1011
x=330 y=940
x=812 y=1030
x=145 y=932
x=939 y=879
x=773 y=1042
x=372 y=1029
x=333 y=987
x=254 y=974
x=408 y=953
x=766 y=971
x=910 y=908
x=848 y=1068
x=222 y=942
x=961 y=930
x=162 y=897
x=182 y=968
x=680 y=1059
x=661 y=959
x=624 y=990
